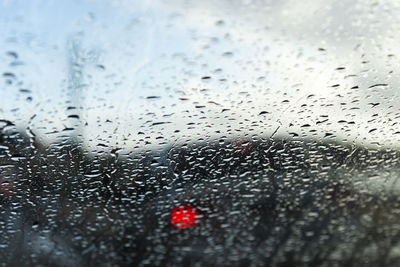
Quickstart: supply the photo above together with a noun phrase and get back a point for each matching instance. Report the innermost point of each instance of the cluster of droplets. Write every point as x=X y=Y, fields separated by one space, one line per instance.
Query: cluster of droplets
x=181 y=135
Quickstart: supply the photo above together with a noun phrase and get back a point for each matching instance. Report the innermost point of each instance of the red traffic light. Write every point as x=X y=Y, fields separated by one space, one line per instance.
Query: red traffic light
x=184 y=216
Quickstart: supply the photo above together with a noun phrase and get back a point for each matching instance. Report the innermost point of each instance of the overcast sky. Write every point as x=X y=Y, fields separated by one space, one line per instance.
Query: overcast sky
x=133 y=71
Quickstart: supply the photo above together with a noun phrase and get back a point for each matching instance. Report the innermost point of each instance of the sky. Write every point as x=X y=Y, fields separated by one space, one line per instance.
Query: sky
x=133 y=71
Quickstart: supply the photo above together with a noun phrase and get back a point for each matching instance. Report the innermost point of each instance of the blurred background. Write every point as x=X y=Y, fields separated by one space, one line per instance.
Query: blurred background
x=277 y=120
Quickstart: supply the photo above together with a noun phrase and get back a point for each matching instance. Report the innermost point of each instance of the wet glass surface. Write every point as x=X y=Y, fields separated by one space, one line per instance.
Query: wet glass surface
x=199 y=133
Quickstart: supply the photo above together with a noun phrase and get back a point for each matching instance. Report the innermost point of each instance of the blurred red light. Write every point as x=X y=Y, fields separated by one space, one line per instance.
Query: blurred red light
x=184 y=216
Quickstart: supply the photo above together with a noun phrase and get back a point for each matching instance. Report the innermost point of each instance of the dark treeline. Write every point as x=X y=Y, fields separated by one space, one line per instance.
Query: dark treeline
x=274 y=203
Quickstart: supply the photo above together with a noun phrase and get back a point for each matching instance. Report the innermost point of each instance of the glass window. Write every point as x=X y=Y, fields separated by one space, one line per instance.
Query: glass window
x=199 y=133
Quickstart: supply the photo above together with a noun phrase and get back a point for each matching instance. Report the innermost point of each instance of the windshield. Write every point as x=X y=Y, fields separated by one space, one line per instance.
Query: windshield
x=199 y=133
